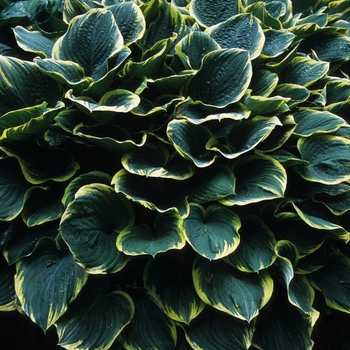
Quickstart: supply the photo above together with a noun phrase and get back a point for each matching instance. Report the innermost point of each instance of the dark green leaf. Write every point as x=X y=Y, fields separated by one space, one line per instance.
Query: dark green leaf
x=223 y=78
x=214 y=330
x=328 y=159
x=40 y=164
x=56 y=270
x=267 y=181
x=213 y=233
x=141 y=239
x=236 y=293
x=34 y=41
x=90 y=226
x=208 y=13
x=150 y=328
x=23 y=84
x=169 y=279
x=241 y=31
x=256 y=250
x=95 y=320
x=333 y=281
x=78 y=46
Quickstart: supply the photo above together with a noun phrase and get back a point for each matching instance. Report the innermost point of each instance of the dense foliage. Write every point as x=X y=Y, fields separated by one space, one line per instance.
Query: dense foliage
x=175 y=175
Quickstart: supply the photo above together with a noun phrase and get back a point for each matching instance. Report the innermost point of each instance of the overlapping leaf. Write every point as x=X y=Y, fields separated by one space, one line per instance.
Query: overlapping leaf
x=141 y=239
x=267 y=181
x=213 y=233
x=234 y=292
x=169 y=279
x=90 y=225
x=223 y=78
x=95 y=320
x=22 y=84
x=47 y=266
x=92 y=55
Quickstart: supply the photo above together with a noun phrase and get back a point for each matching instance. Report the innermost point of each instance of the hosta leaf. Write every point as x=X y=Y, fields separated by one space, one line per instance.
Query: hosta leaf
x=319 y=218
x=259 y=105
x=65 y=72
x=202 y=42
x=152 y=61
x=328 y=159
x=333 y=281
x=234 y=292
x=304 y=71
x=41 y=207
x=7 y=287
x=213 y=233
x=57 y=271
x=169 y=20
x=242 y=31
x=95 y=320
x=296 y=93
x=282 y=326
x=14 y=189
x=28 y=123
x=214 y=330
x=169 y=279
x=114 y=101
x=256 y=250
x=172 y=84
x=244 y=136
x=141 y=239
x=110 y=137
x=337 y=90
x=311 y=121
x=151 y=192
x=130 y=20
x=197 y=113
x=338 y=204
x=84 y=179
x=90 y=226
x=24 y=244
x=290 y=227
x=267 y=181
x=263 y=82
x=190 y=142
x=276 y=42
x=40 y=164
x=77 y=44
x=329 y=46
x=223 y=78
x=6 y=231
x=213 y=184
x=208 y=13
x=279 y=136
x=153 y=161
x=150 y=328
x=23 y=84
x=33 y=41
x=311 y=262
x=302 y=295
x=259 y=10
x=20 y=9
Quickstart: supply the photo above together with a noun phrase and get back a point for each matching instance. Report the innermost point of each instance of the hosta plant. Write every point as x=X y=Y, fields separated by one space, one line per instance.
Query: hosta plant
x=176 y=174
